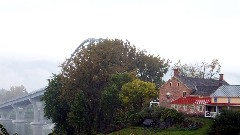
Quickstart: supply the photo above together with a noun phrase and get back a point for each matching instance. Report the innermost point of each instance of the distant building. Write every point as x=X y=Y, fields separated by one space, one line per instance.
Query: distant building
x=188 y=94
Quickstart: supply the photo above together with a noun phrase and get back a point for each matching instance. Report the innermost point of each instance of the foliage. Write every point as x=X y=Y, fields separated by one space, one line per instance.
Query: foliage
x=14 y=92
x=162 y=117
x=200 y=70
x=78 y=115
x=226 y=124
x=90 y=71
x=111 y=105
x=151 y=68
x=203 y=130
x=137 y=93
x=55 y=108
x=3 y=130
x=172 y=131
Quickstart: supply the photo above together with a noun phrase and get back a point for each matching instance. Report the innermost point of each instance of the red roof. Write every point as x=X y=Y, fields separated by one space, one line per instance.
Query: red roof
x=192 y=100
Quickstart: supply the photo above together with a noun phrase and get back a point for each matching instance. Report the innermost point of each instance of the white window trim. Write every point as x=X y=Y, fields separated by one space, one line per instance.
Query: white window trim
x=192 y=109
x=184 y=107
x=199 y=108
x=176 y=107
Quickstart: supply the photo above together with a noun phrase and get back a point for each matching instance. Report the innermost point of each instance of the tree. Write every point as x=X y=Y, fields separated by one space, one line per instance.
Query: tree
x=55 y=108
x=151 y=68
x=90 y=69
x=14 y=92
x=226 y=124
x=78 y=115
x=200 y=70
x=137 y=93
x=111 y=105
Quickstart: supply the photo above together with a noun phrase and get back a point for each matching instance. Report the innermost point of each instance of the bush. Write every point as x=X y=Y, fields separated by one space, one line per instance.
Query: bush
x=191 y=123
x=162 y=117
x=226 y=124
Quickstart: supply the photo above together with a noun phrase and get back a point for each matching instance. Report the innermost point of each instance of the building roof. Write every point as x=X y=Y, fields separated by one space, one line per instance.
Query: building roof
x=205 y=90
x=192 y=100
x=193 y=82
x=227 y=91
x=201 y=86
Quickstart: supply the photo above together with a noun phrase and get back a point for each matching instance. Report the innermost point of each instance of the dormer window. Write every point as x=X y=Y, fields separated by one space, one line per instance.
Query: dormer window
x=184 y=94
x=170 y=84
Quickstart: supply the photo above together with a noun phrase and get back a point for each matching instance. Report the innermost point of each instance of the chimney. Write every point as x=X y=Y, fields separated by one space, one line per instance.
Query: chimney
x=220 y=77
x=176 y=72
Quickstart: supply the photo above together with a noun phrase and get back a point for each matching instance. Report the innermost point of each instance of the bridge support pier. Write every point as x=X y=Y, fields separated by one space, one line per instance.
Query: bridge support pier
x=5 y=119
x=39 y=121
x=20 y=122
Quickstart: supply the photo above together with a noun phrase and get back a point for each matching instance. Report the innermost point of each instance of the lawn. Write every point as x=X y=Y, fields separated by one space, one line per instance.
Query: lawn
x=173 y=131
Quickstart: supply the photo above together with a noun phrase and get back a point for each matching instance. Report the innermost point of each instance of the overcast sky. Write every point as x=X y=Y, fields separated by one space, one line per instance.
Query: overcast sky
x=36 y=36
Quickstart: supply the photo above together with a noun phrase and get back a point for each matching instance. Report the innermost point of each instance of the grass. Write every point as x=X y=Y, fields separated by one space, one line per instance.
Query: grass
x=172 y=131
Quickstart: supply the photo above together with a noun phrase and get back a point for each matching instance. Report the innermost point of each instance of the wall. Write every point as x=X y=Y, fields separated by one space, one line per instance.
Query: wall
x=225 y=100
x=192 y=109
x=174 y=90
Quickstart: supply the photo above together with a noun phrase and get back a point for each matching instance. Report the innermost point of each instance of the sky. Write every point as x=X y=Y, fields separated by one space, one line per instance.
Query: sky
x=37 y=36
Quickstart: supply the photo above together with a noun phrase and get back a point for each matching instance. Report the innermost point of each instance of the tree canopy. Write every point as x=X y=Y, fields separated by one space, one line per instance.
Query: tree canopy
x=200 y=69
x=13 y=92
x=137 y=93
x=88 y=74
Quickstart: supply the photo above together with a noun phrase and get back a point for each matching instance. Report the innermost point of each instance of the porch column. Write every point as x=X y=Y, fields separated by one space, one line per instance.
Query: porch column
x=38 y=121
x=5 y=119
x=20 y=121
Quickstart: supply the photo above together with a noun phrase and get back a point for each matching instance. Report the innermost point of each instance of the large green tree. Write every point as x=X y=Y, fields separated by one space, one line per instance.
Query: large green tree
x=89 y=70
x=111 y=104
x=55 y=108
x=200 y=69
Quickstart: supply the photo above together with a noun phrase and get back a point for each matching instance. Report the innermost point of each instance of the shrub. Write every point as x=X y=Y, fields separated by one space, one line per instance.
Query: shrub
x=3 y=130
x=226 y=124
x=162 y=117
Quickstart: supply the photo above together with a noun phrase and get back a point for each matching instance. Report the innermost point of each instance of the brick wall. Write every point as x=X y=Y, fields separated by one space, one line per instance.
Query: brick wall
x=191 y=109
x=175 y=88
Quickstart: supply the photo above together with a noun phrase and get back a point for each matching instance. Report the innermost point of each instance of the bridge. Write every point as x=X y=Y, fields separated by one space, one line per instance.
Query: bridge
x=19 y=106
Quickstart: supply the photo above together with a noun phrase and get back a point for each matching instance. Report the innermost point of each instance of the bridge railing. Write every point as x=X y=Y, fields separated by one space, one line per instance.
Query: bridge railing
x=23 y=96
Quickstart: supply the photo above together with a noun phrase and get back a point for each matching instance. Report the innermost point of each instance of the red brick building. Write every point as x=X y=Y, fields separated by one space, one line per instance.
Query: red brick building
x=182 y=92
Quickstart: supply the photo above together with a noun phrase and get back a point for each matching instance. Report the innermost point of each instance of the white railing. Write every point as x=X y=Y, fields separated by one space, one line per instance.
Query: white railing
x=210 y=114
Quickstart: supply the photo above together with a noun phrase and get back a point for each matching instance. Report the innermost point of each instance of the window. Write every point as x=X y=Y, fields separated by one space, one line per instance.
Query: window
x=215 y=99
x=229 y=101
x=170 y=84
x=184 y=107
x=200 y=108
x=192 y=108
x=184 y=94
x=178 y=84
x=176 y=107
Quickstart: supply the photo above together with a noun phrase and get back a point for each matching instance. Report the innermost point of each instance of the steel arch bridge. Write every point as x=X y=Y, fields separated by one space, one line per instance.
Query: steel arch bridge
x=84 y=44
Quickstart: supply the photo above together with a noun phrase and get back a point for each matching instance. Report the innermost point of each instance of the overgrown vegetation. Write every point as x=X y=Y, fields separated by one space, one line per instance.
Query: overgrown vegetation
x=226 y=124
x=171 y=131
x=77 y=100
x=164 y=118
x=3 y=131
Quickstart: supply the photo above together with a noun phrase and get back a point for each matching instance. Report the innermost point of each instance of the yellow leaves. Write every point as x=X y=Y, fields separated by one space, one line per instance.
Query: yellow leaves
x=136 y=91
